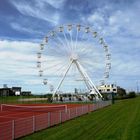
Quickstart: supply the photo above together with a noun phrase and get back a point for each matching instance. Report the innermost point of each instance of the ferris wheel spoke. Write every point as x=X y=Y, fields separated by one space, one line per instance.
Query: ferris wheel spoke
x=62 y=42
x=49 y=61
x=53 y=60
x=92 y=66
x=56 y=55
x=58 y=48
x=53 y=51
x=71 y=40
x=84 y=51
x=76 y=38
x=54 y=69
x=85 y=56
x=89 y=62
x=87 y=65
x=48 y=67
x=66 y=40
x=61 y=70
x=87 y=53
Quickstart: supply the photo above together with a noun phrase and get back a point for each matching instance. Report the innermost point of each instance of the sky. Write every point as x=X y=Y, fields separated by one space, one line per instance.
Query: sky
x=24 y=23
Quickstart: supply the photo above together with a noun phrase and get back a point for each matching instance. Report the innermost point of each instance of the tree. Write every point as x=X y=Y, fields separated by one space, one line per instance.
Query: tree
x=132 y=94
x=121 y=92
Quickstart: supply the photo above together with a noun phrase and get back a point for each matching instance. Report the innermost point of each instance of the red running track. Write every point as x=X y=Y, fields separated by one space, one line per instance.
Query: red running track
x=15 y=124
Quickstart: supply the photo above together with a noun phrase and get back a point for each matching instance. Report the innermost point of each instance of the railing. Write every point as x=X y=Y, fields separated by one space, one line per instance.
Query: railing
x=24 y=126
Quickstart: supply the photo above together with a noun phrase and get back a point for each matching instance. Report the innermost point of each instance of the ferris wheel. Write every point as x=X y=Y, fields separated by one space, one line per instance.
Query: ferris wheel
x=73 y=49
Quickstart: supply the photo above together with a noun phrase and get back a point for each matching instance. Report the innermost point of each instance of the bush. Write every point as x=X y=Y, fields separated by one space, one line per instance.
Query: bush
x=121 y=92
x=132 y=95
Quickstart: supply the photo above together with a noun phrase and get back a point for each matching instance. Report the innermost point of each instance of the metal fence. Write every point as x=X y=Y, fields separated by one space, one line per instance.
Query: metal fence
x=24 y=126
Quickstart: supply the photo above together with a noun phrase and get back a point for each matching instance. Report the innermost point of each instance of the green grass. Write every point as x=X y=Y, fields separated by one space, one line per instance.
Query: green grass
x=15 y=100
x=120 y=121
x=9 y=99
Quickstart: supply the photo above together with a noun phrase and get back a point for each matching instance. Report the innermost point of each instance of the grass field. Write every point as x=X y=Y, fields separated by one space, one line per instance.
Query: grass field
x=17 y=100
x=120 y=121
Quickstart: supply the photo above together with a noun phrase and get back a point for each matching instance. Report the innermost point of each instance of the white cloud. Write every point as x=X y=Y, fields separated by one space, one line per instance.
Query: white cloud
x=110 y=22
x=38 y=10
x=26 y=29
x=17 y=58
x=18 y=64
x=19 y=46
x=33 y=82
x=96 y=18
x=55 y=3
x=124 y=22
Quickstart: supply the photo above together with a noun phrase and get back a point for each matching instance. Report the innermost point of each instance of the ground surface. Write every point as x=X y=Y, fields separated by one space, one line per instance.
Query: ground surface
x=34 y=99
x=14 y=112
x=117 y=122
x=22 y=99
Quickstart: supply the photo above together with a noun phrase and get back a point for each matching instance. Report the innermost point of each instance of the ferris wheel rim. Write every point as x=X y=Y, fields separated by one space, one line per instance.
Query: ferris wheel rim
x=88 y=30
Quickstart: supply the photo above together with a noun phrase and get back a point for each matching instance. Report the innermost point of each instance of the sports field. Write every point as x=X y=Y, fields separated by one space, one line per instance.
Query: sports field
x=120 y=121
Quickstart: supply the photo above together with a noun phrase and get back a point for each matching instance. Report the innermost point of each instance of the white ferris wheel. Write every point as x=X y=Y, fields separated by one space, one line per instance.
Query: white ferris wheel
x=72 y=49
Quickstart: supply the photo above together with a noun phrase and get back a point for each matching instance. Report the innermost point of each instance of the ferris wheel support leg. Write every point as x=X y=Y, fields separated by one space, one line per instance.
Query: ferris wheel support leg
x=83 y=75
x=89 y=82
x=60 y=83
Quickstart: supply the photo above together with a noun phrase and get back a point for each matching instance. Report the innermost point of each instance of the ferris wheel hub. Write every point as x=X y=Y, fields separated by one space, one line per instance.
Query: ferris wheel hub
x=74 y=57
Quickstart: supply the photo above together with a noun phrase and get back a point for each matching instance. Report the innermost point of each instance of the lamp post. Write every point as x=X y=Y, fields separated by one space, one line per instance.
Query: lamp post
x=112 y=94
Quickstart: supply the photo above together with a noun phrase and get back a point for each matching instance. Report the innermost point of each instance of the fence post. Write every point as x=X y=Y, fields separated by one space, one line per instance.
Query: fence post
x=33 y=123
x=60 y=115
x=76 y=111
x=82 y=110
x=13 y=129
x=88 y=108
x=69 y=115
x=48 y=119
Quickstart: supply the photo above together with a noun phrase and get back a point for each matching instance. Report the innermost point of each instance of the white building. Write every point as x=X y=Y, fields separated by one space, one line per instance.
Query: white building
x=108 y=88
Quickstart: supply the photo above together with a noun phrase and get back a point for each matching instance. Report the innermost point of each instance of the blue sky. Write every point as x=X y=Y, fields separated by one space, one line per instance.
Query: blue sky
x=24 y=23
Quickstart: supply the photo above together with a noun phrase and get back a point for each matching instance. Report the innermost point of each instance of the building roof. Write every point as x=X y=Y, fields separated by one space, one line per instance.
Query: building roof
x=5 y=88
x=16 y=87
